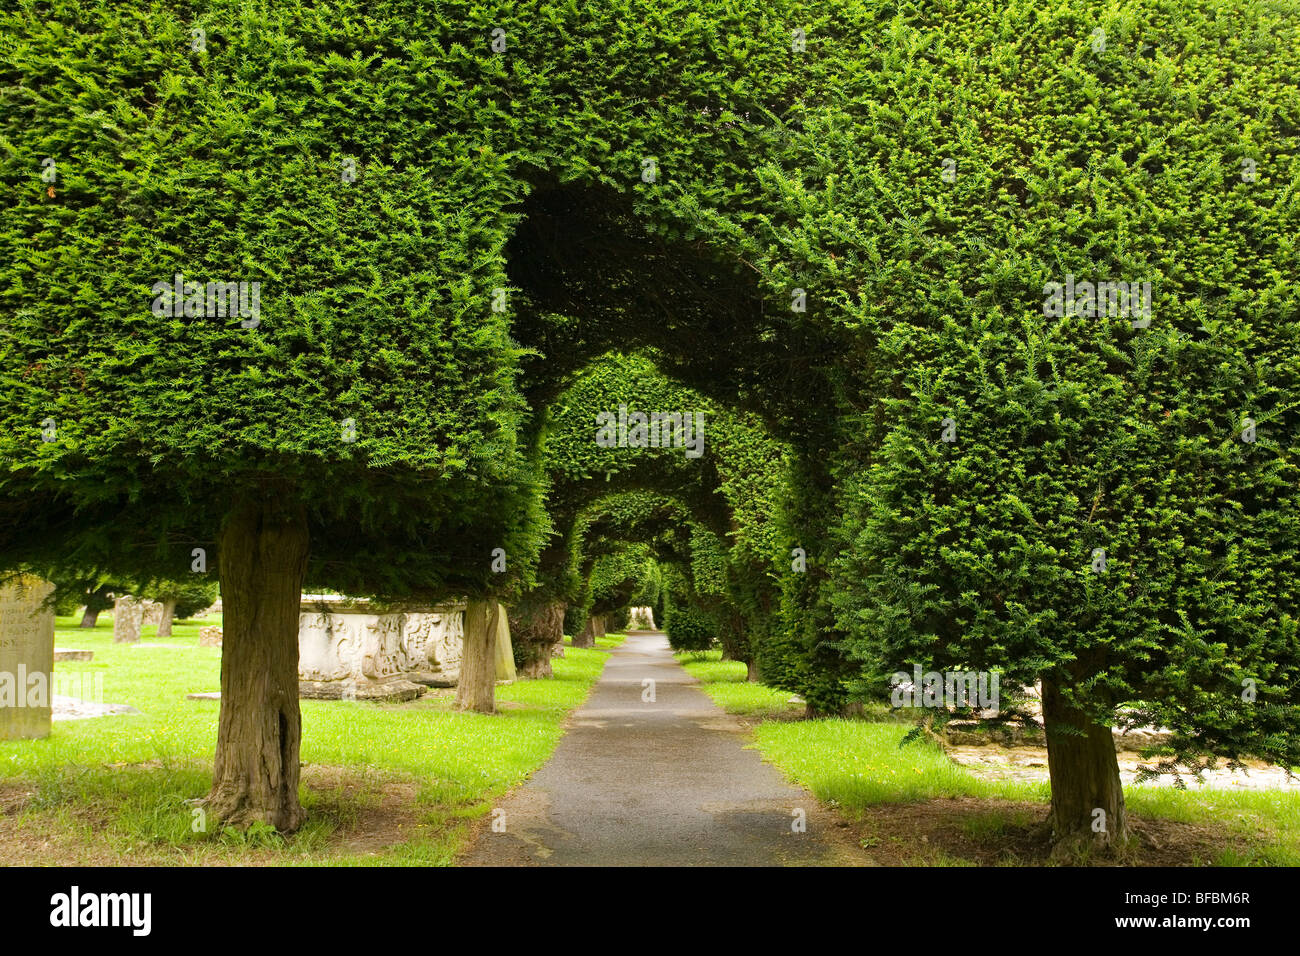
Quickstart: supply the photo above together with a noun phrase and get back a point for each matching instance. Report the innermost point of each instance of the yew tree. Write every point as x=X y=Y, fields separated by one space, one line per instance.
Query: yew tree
x=354 y=426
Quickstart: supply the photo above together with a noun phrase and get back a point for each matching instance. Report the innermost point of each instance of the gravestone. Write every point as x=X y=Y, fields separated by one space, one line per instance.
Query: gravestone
x=151 y=612
x=356 y=649
x=210 y=636
x=128 y=618
x=434 y=639
x=26 y=658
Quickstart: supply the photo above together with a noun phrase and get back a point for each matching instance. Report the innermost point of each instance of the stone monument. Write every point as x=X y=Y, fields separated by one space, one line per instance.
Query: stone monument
x=151 y=612
x=26 y=657
x=128 y=618
x=355 y=649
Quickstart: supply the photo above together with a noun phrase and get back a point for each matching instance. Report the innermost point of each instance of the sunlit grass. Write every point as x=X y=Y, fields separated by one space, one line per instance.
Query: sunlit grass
x=856 y=764
x=127 y=779
x=726 y=682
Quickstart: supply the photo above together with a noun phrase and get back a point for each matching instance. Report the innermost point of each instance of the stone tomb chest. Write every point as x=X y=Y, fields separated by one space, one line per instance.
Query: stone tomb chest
x=355 y=649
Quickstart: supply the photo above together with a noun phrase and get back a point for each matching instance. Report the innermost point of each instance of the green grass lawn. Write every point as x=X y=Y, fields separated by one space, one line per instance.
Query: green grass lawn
x=858 y=764
x=383 y=783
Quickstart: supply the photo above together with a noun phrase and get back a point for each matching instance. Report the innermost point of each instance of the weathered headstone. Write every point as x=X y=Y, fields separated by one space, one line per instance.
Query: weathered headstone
x=151 y=612
x=434 y=638
x=26 y=658
x=128 y=618
x=356 y=649
x=210 y=636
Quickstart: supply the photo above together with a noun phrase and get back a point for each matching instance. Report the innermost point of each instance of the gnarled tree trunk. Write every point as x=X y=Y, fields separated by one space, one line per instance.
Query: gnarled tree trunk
x=587 y=637
x=263 y=560
x=1085 y=778
x=751 y=671
x=98 y=601
x=536 y=627
x=478 y=672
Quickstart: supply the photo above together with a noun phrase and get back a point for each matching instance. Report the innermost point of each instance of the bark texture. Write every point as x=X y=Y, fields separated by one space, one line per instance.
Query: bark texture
x=478 y=674
x=263 y=560
x=1085 y=778
x=165 y=622
x=536 y=627
x=587 y=636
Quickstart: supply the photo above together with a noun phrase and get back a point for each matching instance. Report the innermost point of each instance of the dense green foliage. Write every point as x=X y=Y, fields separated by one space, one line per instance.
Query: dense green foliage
x=920 y=173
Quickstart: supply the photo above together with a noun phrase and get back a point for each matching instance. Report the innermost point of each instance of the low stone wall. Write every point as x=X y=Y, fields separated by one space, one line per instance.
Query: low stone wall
x=354 y=649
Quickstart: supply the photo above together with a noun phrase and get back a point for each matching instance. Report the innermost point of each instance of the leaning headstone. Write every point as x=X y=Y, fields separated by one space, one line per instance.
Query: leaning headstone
x=128 y=618
x=210 y=636
x=26 y=657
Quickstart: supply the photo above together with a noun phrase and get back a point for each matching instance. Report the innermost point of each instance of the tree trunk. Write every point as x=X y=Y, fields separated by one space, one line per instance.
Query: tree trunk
x=751 y=671
x=536 y=627
x=1085 y=779
x=478 y=672
x=97 y=601
x=587 y=638
x=599 y=629
x=263 y=550
x=165 y=621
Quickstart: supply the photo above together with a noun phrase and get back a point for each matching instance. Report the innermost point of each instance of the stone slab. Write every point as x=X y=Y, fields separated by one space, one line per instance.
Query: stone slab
x=128 y=619
x=393 y=691
x=73 y=708
x=26 y=658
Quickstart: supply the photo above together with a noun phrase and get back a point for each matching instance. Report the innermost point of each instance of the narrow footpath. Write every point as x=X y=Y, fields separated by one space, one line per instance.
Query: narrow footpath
x=666 y=781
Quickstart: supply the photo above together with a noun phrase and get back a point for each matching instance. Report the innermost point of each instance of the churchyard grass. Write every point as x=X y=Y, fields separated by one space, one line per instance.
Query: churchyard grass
x=858 y=764
x=382 y=783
